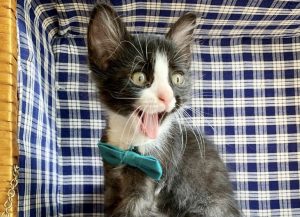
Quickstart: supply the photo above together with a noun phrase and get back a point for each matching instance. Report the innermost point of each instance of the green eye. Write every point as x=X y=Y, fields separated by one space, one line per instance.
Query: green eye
x=139 y=78
x=177 y=79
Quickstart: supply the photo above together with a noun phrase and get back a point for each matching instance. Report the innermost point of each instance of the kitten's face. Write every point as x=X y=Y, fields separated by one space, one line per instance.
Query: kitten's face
x=144 y=79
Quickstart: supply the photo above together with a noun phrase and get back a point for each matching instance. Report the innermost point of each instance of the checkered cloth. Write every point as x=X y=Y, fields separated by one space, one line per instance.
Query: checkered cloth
x=246 y=98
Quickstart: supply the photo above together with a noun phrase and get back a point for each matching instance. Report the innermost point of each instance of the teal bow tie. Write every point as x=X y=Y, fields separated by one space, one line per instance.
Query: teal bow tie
x=115 y=156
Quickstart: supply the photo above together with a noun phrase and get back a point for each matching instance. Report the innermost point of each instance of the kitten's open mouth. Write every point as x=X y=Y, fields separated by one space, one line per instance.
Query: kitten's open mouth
x=149 y=123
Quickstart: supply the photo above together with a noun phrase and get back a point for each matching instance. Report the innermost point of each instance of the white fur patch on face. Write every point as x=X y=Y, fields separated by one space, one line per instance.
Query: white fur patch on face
x=159 y=97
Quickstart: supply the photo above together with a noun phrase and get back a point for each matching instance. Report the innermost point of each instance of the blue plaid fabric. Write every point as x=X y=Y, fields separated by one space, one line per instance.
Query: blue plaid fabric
x=246 y=68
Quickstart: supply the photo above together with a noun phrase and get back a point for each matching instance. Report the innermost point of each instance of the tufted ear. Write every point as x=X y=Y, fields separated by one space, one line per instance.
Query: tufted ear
x=181 y=32
x=105 y=34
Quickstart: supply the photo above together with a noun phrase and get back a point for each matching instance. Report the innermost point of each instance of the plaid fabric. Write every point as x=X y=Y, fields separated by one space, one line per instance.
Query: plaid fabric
x=245 y=98
x=37 y=134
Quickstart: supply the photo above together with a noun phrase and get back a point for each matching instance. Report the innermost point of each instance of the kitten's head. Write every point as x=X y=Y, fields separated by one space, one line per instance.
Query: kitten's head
x=142 y=78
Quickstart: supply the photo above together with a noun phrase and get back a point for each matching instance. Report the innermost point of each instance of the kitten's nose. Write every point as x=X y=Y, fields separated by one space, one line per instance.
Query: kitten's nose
x=165 y=98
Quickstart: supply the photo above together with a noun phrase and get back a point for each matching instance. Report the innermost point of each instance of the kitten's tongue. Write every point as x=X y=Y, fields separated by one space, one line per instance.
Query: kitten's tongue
x=149 y=125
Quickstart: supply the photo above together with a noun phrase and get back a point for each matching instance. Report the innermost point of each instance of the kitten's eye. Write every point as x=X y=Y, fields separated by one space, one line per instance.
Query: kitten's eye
x=139 y=79
x=177 y=79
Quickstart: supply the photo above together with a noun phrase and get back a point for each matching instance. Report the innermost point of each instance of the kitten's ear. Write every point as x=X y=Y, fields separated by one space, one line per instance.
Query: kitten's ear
x=105 y=33
x=181 y=32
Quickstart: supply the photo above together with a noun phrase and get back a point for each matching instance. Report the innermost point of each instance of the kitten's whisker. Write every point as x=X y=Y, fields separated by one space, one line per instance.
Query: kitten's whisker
x=196 y=111
x=204 y=95
x=137 y=56
x=134 y=47
x=135 y=130
x=197 y=131
x=199 y=114
x=200 y=144
x=183 y=146
x=116 y=97
x=174 y=57
x=124 y=88
x=135 y=98
x=112 y=53
x=136 y=127
x=181 y=129
x=179 y=118
x=134 y=65
x=124 y=129
x=143 y=66
x=127 y=122
x=140 y=44
x=182 y=57
x=146 y=48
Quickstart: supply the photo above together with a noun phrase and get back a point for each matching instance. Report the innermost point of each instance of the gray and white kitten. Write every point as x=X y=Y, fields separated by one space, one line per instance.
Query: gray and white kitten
x=144 y=82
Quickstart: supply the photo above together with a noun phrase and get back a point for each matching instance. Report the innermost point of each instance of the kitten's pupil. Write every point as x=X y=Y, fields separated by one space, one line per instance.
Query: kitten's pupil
x=140 y=78
x=177 y=79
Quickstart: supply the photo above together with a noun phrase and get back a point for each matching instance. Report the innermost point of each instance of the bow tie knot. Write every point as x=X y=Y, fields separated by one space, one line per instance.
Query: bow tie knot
x=125 y=157
x=115 y=156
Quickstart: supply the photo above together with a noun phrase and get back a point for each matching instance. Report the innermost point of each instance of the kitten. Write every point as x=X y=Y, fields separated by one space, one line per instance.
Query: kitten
x=144 y=82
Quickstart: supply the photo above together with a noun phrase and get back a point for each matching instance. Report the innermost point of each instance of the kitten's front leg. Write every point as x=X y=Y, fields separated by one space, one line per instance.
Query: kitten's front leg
x=139 y=207
x=128 y=192
x=135 y=207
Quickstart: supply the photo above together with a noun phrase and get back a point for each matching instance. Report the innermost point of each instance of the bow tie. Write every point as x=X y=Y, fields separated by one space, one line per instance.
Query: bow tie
x=115 y=156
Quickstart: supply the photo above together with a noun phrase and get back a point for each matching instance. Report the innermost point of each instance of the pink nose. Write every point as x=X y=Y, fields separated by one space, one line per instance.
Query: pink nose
x=165 y=98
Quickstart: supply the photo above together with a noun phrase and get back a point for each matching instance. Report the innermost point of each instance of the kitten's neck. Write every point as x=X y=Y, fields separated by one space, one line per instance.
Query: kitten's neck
x=122 y=134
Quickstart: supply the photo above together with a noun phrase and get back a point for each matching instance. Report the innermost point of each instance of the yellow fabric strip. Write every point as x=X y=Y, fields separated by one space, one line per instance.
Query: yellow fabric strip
x=8 y=100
